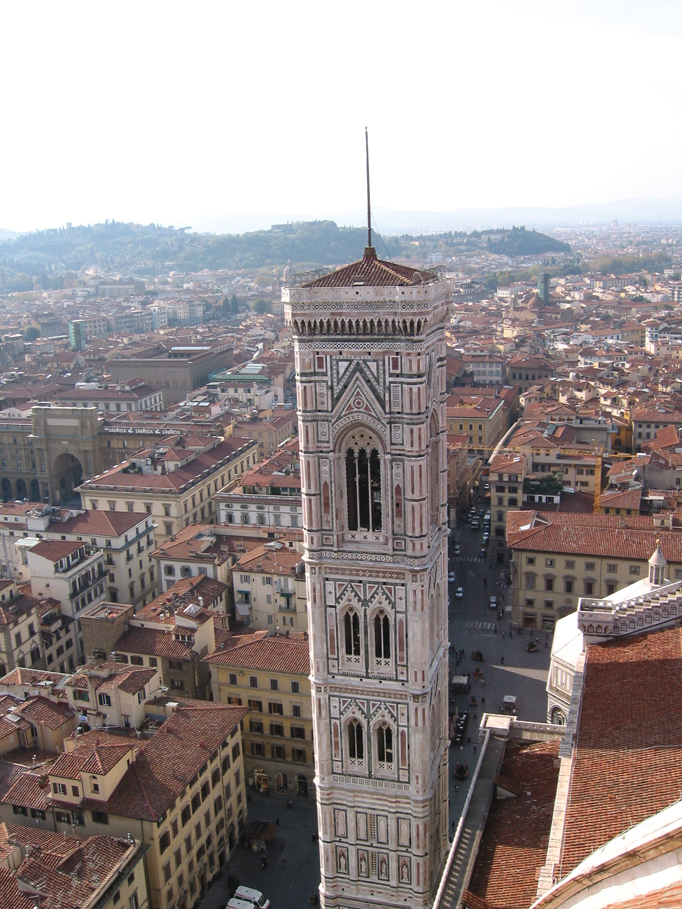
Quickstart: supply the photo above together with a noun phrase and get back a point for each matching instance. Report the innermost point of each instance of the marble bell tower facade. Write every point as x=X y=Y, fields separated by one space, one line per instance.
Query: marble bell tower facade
x=370 y=372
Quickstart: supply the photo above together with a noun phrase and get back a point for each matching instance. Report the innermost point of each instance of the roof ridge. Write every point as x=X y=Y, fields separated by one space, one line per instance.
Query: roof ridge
x=143 y=790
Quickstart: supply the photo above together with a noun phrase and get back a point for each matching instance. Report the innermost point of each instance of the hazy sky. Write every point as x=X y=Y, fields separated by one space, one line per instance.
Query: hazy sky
x=181 y=113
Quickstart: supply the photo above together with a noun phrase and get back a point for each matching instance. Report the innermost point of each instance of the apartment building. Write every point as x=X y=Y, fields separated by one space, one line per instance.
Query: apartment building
x=267 y=498
x=38 y=721
x=182 y=792
x=559 y=557
x=482 y=419
x=20 y=641
x=58 y=634
x=70 y=572
x=173 y=483
x=270 y=590
x=126 y=539
x=506 y=477
x=527 y=371
x=196 y=551
x=171 y=634
x=647 y=419
x=111 y=694
x=39 y=869
x=271 y=431
x=269 y=675
x=487 y=369
x=131 y=396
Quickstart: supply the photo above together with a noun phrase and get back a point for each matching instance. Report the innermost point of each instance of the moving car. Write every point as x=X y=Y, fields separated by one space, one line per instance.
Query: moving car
x=493 y=603
x=456 y=548
x=451 y=577
x=459 y=593
x=482 y=553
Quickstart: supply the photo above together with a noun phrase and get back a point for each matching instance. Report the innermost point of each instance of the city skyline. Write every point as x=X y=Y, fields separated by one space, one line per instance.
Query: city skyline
x=197 y=118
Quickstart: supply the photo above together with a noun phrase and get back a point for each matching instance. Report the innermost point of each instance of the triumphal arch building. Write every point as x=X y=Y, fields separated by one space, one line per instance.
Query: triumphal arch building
x=370 y=371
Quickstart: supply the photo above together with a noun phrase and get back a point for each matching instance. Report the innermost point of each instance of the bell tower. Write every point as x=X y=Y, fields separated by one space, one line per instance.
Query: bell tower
x=370 y=372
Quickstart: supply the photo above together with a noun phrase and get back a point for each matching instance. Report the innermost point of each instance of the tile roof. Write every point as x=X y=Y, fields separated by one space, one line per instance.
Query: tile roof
x=278 y=653
x=627 y=763
x=168 y=761
x=617 y=536
x=513 y=847
x=10 y=895
x=373 y=272
x=96 y=522
x=30 y=790
x=41 y=710
x=56 y=549
x=11 y=610
x=154 y=642
x=20 y=676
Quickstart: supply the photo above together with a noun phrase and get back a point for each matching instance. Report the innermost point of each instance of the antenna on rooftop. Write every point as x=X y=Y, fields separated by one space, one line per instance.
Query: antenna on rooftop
x=370 y=250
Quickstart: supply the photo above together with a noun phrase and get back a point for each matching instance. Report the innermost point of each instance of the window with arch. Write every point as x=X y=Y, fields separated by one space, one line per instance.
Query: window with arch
x=382 y=638
x=384 y=745
x=434 y=468
x=355 y=738
x=363 y=482
x=351 y=634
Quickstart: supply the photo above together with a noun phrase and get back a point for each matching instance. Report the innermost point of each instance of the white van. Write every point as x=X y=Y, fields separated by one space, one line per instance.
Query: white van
x=254 y=897
x=236 y=903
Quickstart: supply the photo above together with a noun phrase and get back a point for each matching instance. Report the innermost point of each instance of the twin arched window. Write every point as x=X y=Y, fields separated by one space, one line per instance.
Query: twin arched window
x=355 y=742
x=363 y=488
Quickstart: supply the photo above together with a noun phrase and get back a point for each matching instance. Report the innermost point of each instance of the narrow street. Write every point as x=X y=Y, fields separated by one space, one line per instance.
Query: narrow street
x=508 y=669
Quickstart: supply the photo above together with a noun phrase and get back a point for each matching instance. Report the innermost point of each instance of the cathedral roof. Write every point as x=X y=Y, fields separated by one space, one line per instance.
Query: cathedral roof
x=373 y=272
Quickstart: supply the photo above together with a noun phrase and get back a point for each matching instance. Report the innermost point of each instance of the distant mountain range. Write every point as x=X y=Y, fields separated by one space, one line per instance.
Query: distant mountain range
x=388 y=221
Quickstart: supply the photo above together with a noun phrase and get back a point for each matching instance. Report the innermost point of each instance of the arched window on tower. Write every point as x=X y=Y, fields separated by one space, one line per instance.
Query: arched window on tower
x=351 y=630
x=382 y=637
x=434 y=468
x=384 y=737
x=356 y=743
x=363 y=488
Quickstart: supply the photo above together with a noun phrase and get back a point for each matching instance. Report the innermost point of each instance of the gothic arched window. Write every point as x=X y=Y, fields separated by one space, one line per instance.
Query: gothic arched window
x=384 y=736
x=382 y=636
x=356 y=743
x=351 y=628
x=363 y=483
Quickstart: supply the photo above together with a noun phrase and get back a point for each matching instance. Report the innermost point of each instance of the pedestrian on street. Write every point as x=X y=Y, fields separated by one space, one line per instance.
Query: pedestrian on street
x=502 y=661
x=264 y=863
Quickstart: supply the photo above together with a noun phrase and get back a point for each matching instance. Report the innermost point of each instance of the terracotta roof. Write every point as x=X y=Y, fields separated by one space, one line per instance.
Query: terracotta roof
x=30 y=790
x=514 y=844
x=10 y=895
x=168 y=761
x=96 y=522
x=41 y=710
x=278 y=653
x=153 y=642
x=603 y=535
x=9 y=773
x=54 y=550
x=11 y=610
x=628 y=758
x=373 y=272
x=20 y=676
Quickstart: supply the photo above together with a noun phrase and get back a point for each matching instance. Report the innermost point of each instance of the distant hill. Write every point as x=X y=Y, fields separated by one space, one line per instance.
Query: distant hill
x=44 y=257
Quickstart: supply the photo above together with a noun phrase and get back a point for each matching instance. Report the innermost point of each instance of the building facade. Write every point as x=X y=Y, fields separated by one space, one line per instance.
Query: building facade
x=371 y=385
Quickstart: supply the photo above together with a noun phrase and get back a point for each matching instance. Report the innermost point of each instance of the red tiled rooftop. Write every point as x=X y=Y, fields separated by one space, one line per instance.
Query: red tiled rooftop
x=628 y=758
x=514 y=844
x=278 y=653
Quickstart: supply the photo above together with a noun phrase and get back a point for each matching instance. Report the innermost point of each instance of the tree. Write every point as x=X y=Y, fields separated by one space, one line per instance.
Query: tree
x=261 y=307
x=234 y=304
x=31 y=333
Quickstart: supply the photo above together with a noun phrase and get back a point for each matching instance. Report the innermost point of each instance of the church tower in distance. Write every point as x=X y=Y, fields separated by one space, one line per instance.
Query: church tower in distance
x=370 y=373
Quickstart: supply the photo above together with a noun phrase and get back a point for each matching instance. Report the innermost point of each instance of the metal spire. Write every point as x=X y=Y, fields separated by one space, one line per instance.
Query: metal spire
x=369 y=251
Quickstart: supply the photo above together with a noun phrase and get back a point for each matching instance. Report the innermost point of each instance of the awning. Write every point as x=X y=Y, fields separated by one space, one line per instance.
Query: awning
x=242 y=608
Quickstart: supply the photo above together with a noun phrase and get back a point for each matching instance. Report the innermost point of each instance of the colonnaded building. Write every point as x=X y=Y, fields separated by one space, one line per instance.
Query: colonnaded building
x=370 y=372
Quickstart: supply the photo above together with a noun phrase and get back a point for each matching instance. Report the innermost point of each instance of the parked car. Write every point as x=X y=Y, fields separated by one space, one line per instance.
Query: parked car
x=482 y=553
x=485 y=538
x=456 y=548
x=509 y=704
x=255 y=897
x=459 y=593
x=451 y=577
x=493 y=603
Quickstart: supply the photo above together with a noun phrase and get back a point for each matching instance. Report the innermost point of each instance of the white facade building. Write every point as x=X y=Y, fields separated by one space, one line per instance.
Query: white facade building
x=370 y=372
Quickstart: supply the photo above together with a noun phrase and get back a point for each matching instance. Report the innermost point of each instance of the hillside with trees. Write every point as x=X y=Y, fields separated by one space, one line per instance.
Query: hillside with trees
x=44 y=257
